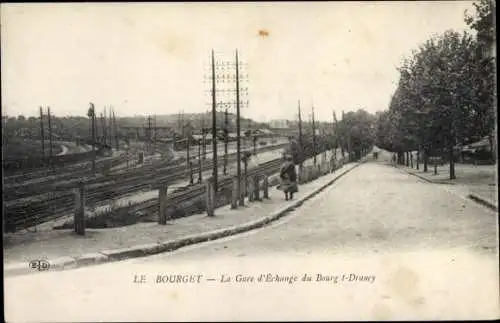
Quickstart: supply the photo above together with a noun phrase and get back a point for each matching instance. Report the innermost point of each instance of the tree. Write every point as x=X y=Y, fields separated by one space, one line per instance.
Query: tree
x=484 y=22
x=441 y=99
x=357 y=132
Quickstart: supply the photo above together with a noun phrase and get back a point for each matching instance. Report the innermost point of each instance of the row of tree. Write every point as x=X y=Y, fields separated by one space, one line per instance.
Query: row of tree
x=68 y=128
x=353 y=134
x=446 y=94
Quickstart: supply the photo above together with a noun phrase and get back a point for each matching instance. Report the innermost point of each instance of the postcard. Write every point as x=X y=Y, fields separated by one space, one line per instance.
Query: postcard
x=249 y=161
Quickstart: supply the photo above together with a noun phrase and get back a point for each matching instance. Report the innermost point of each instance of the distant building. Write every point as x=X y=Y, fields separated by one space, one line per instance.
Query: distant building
x=279 y=123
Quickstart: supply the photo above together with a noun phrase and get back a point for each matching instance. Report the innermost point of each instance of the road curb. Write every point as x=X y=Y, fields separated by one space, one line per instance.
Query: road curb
x=470 y=196
x=482 y=201
x=421 y=177
x=170 y=245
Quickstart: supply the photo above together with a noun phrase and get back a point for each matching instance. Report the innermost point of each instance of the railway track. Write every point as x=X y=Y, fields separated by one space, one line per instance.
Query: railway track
x=21 y=193
x=51 y=175
x=23 y=214
x=60 y=173
x=194 y=192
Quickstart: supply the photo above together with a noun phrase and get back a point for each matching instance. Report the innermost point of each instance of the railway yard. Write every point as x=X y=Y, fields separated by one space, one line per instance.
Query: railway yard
x=46 y=198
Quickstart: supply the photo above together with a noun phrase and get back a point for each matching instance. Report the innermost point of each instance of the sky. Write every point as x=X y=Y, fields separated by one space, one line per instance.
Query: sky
x=154 y=58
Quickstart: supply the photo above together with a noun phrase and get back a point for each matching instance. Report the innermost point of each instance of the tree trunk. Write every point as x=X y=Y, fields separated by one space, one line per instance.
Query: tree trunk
x=490 y=140
x=452 y=163
x=411 y=159
x=418 y=157
x=426 y=160
x=407 y=159
x=400 y=158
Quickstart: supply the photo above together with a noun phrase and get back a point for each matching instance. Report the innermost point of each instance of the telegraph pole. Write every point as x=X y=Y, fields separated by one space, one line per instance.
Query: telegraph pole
x=349 y=144
x=314 y=136
x=204 y=136
x=149 y=133
x=254 y=137
x=179 y=123
x=335 y=134
x=200 y=165
x=238 y=145
x=226 y=139
x=214 y=125
x=96 y=124
x=91 y=115
x=42 y=133
x=188 y=157
x=342 y=139
x=110 y=127
x=154 y=134
x=50 y=134
x=104 y=127
x=301 y=144
x=116 y=131
x=227 y=77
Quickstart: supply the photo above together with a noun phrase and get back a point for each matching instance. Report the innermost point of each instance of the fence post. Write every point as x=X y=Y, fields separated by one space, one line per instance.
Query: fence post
x=235 y=193
x=251 y=189
x=265 y=187
x=256 y=188
x=79 y=220
x=141 y=157
x=243 y=191
x=210 y=197
x=162 y=201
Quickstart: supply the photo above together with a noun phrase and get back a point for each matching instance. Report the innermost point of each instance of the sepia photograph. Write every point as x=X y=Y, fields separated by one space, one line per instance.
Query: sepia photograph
x=249 y=161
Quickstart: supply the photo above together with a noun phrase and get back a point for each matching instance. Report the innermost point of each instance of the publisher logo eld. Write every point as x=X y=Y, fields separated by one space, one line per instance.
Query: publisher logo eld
x=40 y=265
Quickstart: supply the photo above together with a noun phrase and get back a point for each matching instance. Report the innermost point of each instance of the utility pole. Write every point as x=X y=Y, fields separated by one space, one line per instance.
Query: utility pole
x=227 y=77
x=342 y=139
x=204 y=136
x=149 y=134
x=200 y=165
x=335 y=134
x=110 y=127
x=91 y=115
x=226 y=139
x=254 y=137
x=301 y=144
x=214 y=125
x=188 y=157
x=42 y=133
x=179 y=123
x=96 y=124
x=50 y=135
x=116 y=131
x=104 y=127
x=314 y=136
x=238 y=145
x=155 y=130
x=183 y=129
x=349 y=144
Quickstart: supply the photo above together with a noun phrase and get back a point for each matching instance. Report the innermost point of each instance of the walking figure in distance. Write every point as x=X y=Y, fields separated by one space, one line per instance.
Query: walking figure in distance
x=288 y=177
